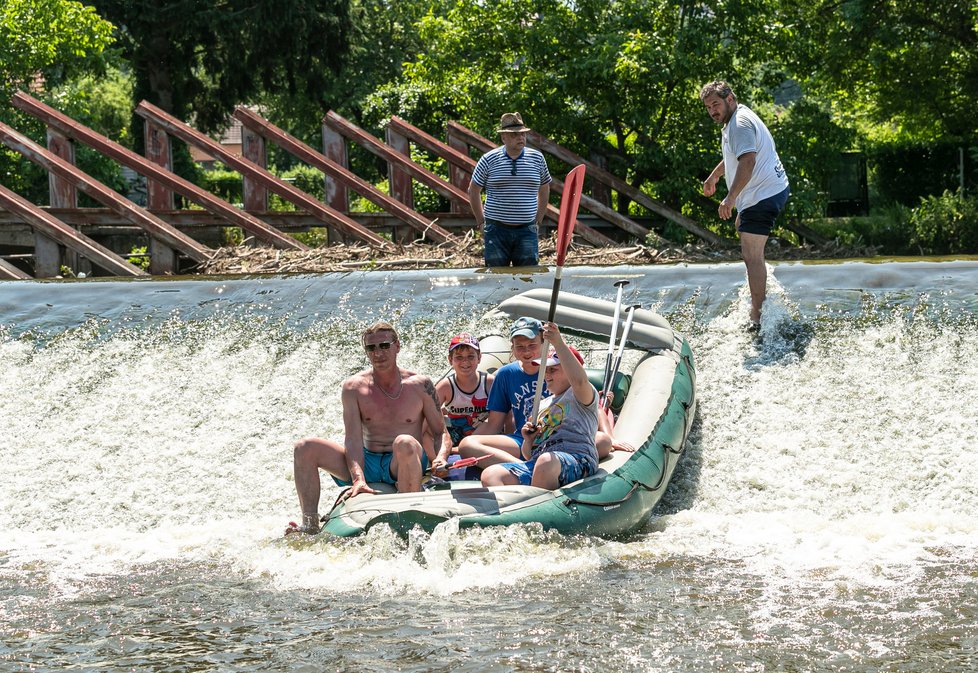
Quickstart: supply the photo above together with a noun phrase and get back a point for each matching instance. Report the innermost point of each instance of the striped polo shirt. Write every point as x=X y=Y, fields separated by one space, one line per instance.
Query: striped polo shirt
x=511 y=198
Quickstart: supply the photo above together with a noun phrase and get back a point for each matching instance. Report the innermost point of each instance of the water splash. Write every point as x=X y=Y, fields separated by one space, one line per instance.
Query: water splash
x=835 y=445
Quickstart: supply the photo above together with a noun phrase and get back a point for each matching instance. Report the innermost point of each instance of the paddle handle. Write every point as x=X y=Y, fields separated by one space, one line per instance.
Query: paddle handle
x=606 y=383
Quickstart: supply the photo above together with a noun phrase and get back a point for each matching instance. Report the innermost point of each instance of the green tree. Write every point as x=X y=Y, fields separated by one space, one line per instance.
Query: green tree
x=48 y=41
x=620 y=78
x=43 y=44
x=202 y=57
x=909 y=66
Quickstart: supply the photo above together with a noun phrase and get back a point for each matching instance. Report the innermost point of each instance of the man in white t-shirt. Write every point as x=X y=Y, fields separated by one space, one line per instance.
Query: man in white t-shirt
x=757 y=186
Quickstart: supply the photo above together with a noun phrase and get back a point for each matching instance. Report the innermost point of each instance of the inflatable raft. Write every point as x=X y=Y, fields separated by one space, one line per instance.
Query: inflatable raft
x=655 y=402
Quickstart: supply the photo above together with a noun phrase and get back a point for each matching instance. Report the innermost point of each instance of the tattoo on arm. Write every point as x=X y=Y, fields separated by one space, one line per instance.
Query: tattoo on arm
x=429 y=388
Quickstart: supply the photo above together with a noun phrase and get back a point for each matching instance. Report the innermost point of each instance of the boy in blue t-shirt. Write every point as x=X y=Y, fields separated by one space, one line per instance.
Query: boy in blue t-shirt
x=512 y=393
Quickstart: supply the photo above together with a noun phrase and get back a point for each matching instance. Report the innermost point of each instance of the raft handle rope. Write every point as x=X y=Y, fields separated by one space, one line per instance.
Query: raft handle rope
x=635 y=485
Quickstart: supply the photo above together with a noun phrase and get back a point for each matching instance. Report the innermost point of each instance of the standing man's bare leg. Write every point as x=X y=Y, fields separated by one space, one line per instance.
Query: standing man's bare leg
x=752 y=248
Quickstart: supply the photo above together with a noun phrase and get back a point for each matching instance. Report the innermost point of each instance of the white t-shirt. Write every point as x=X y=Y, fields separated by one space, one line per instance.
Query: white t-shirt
x=745 y=132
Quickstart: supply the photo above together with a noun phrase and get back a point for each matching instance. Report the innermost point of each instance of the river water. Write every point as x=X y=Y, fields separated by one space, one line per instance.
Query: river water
x=823 y=518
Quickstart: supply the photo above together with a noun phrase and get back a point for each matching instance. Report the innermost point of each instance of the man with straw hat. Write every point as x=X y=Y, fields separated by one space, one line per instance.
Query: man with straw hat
x=517 y=185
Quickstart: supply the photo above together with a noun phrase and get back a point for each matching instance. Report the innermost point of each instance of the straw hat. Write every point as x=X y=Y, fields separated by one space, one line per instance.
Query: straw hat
x=511 y=122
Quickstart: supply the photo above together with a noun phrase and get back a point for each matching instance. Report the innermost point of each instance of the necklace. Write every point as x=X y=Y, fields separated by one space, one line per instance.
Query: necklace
x=400 y=387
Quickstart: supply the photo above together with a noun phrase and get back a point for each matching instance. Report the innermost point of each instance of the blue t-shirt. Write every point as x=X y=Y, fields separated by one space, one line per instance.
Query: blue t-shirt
x=513 y=390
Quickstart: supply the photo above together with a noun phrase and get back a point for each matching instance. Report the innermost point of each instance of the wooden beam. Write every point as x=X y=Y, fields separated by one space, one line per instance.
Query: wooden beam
x=255 y=195
x=160 y=152
x=457 y=176
x=10 y=272
x=62 y=194
x=62 y=233
x=596 y=172
x=400 y=183
x=162 y=258
x=293 y=194
x=334 y=149
x=344 y=177
x=376 y=147
x=105 y=195
x=104 y=222
x=467 y=163
x=153 y=171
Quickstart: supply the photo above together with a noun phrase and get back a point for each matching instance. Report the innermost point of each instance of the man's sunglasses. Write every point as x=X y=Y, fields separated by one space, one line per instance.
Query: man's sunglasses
x=383 y=345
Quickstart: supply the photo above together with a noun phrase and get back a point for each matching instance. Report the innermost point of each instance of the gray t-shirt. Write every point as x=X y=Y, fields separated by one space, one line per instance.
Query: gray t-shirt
x=568 y=426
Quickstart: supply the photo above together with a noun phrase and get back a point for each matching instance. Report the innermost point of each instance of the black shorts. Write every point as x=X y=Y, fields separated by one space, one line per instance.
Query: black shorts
x=760 y=218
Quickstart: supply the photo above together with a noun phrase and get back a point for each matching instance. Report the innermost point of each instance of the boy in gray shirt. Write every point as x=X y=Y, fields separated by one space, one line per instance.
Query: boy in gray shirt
x=560 y=447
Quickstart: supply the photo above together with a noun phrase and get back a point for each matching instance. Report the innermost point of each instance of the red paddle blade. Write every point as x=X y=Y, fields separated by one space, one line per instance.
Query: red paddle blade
x=570 y=199
x=465 y=462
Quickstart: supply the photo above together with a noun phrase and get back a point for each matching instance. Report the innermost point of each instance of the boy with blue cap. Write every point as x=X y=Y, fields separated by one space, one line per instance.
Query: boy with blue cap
x=512 y=392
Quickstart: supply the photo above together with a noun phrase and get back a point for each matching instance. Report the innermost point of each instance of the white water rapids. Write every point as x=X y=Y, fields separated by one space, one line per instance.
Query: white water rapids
x=824 y=516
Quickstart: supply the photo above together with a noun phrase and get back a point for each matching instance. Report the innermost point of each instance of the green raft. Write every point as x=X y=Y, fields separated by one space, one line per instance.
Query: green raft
x=657 y=404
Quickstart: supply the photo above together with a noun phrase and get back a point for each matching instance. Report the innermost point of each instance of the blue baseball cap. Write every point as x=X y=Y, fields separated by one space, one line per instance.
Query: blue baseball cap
x=526 y=327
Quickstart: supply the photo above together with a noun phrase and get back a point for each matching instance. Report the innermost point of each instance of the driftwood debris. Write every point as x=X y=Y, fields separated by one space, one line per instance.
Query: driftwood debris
x=465 y=252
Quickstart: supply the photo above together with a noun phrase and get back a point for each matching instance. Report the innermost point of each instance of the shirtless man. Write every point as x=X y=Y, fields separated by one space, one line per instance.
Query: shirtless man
x=384 y=409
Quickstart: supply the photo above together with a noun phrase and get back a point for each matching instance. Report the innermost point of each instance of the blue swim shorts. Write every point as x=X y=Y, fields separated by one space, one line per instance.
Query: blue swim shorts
x=572 y=468
x=377 y=468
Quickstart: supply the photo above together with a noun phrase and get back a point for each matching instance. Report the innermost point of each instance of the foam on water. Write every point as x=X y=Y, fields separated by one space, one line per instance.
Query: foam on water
x=834 y=451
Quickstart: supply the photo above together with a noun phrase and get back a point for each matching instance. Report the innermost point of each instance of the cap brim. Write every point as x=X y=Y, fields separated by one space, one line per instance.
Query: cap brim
x=528 y=333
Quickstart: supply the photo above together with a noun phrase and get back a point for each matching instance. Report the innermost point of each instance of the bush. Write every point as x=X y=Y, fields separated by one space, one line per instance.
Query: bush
x=223 y=182
x=906 y=171
x=945 y=224
x=887 y=229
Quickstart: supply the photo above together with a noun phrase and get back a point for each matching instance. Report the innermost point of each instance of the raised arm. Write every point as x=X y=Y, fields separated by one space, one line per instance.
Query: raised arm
x=574 y=370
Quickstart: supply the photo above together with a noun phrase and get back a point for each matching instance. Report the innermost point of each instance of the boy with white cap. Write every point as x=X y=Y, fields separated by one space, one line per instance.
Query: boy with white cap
x=560 y=448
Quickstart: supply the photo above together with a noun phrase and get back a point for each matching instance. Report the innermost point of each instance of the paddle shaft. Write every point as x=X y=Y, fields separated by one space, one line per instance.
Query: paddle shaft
x=611 y=343
x=630 y=316
x=569 y=202
x=545 y=346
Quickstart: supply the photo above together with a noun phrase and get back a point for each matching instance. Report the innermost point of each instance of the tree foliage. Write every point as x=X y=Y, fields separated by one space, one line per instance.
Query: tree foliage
x=909 y=66
x=202 y=57
x=620 y=78
x=50 y=39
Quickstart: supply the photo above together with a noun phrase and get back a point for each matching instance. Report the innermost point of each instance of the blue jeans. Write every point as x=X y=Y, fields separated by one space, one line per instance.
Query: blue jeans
x=503 y=245
x=572 y=468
